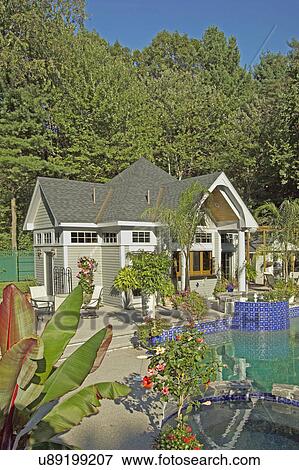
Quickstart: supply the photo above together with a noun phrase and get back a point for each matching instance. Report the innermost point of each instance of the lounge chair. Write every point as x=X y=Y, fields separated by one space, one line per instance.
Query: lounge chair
x=94 y=303
x=41 y=302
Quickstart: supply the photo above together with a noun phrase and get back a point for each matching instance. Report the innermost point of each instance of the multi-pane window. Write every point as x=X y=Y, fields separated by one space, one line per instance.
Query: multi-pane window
x=84 y=237
x=227 y=237
x=38 y=239
x=141 y=237
x=201 y=263
x=48 y=238
x=109 y=237
x=203 y=237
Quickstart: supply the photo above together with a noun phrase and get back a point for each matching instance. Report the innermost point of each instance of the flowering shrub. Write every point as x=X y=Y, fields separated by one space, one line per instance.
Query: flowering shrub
x=191 y=303
x=87 y=267
x=178 y=438
x=152 y=327
x=181 y=369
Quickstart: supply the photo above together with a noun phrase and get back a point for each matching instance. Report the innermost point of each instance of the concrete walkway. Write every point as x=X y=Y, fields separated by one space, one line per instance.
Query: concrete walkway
x=131 y=423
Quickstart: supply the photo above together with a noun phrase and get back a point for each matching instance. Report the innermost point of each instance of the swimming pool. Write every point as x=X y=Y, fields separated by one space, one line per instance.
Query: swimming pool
x=262 y=358
x=253 y=424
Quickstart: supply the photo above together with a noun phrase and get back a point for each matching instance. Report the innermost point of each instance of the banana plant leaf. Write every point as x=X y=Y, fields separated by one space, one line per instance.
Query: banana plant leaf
x=17 y=367
x=71 y=411
x=59 y=331
x=71 y=374
x=17 y=318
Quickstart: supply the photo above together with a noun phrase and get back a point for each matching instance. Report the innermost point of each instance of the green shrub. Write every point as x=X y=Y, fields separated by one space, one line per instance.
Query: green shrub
x=152 y=327
x=191 y=303
x=282 y=291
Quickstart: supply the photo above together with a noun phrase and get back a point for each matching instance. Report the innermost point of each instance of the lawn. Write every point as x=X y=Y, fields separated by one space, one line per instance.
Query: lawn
x=22 y=285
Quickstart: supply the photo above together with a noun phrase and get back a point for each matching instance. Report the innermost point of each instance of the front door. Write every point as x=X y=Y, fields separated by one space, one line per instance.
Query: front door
x=49 y=273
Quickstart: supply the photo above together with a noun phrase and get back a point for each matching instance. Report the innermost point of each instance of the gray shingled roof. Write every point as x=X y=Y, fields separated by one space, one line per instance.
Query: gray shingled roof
x=122 y=198
x=72 y=201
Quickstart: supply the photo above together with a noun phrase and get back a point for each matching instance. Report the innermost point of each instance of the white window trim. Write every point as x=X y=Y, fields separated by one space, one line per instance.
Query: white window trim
x=139 y=242
x=114 y=242
x=83 y=243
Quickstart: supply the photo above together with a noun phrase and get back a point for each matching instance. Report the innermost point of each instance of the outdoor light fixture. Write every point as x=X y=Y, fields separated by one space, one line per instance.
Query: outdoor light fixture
x=39 y=253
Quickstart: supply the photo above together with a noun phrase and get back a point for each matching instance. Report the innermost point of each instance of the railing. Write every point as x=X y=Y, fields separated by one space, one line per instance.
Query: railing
x=63 y=281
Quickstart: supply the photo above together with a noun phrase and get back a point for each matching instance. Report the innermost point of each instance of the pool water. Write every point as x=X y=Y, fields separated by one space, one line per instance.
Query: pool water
x=255 y=424
x=261 y=358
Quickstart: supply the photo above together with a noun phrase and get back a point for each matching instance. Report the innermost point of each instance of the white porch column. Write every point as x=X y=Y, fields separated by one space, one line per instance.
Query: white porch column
x=241 y=261
x=183 y=270
x=219 y=253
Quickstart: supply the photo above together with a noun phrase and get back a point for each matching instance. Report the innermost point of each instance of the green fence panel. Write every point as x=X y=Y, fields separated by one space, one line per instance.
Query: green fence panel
x=25 y=266
x=16 y=266
x=8 y=266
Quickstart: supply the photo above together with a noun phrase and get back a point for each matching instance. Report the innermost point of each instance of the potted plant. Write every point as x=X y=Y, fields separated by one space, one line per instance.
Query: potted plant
x=152 y=271
x=125 y=282
x=87 y=267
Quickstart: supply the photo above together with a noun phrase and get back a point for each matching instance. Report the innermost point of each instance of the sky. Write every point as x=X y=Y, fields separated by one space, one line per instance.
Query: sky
x=258 y=25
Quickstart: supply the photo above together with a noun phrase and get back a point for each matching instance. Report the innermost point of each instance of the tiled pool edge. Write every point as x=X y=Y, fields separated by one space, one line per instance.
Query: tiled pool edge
x=246 y=397
x=209 y=327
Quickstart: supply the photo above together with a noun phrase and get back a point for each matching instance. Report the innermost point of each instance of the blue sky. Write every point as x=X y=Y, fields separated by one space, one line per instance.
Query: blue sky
x=257 y=24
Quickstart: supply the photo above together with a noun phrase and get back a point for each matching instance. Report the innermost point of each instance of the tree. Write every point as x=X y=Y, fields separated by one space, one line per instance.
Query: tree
x=284 y=224
x=183 y=222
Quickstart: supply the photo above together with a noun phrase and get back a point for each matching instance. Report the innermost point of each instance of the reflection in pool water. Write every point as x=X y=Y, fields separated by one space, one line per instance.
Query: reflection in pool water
x=247 y=425
x=263 y=358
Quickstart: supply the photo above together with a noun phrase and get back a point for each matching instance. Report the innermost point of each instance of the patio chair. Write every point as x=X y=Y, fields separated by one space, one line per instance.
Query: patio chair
x=94 y=303
x=41 y=307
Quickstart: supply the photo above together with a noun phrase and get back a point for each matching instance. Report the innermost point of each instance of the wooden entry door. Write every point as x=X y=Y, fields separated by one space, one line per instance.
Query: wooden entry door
x=49 y=273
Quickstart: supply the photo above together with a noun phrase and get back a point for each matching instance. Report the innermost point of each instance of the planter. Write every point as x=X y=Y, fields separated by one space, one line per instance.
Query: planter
x=127 y=299
x=149 y=305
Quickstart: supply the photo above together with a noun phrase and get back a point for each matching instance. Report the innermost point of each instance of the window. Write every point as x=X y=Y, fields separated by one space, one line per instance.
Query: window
x=227 y=237
x=201 y=263
x=109 y=237
x=84 y=237
x=203 y=237
x=48 y=238
x=141 y=237
x=38 y=239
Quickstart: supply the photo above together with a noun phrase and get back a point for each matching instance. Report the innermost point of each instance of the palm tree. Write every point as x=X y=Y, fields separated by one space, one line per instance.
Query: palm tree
x=284 y=224
x=182 y=221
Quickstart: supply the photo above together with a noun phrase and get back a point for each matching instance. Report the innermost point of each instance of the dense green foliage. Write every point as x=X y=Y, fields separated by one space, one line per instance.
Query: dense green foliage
x=191 y=303
x=73 y=105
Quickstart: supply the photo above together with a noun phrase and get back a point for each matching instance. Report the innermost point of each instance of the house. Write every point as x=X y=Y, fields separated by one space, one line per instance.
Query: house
x=70 y=219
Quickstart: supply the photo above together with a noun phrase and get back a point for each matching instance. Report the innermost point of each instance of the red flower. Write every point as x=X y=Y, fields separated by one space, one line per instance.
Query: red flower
x=199 y=340
x=192 y=437
x=165 y=391
x=171 y=437
x=188 y=428
x=160 y=367
x=187 y=440
x=147 y=382
x=197 y=448
x=178 y=337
